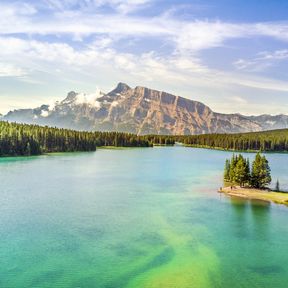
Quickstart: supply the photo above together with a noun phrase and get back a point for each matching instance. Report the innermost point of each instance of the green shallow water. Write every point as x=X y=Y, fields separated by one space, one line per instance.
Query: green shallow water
x=136 y=218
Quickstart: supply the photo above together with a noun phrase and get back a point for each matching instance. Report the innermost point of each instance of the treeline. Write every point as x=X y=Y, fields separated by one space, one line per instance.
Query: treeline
x=275 y=140
x=237 y=171
x=160 y=139
x=22 y=139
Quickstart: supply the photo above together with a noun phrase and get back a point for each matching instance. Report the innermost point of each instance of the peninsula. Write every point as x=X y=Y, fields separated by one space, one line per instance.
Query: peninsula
x=256 y=194
x=251 y=182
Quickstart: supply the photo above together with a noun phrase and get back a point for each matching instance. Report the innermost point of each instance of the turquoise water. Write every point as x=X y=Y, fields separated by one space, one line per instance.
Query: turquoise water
x=136 y=218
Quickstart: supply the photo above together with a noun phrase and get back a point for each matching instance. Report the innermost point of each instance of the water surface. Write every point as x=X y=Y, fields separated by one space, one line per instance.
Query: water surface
x=136 y=218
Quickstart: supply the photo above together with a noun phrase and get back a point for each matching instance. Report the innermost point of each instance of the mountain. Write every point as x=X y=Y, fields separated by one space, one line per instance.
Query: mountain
x=141 y=110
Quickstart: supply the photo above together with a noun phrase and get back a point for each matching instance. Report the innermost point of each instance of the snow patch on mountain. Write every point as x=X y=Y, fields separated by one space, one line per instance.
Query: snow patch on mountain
x=44 y=113
x=163 y=114
x=270 y=122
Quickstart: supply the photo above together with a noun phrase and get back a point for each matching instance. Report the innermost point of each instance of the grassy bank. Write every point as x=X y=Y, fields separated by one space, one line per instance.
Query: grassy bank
x=256 y=194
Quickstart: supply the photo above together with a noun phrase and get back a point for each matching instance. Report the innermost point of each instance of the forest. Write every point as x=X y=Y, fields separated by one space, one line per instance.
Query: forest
x=24 y=140
x=274 y=140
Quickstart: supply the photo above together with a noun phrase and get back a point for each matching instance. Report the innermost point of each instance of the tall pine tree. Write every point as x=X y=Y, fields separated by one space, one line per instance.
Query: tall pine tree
x=240 y=172
x=227 y=171
x=260 y=174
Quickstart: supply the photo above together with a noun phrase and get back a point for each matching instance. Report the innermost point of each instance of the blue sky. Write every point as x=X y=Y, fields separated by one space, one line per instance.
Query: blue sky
x=231 y=55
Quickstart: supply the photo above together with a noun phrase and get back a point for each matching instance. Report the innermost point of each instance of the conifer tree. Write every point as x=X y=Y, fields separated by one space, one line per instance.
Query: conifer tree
x=277 y=187
x=247 y=171
x=237 y=171
x=227 y=171
x=240 y=176
x=22 y=139
x=232 y=169
x=275 y=140
x=260 y=174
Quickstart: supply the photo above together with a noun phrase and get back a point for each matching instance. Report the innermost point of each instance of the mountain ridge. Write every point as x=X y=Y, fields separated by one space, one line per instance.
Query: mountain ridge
x=142 y=110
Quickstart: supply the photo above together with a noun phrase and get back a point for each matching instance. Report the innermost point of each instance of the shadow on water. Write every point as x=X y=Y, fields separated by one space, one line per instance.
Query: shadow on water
x=260 y=218
x=240 y=209
x=260 y=211
x=252 y=222
x=251 y=217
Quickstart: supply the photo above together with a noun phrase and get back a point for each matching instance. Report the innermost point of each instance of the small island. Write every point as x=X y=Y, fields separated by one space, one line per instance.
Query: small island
x=241 y=181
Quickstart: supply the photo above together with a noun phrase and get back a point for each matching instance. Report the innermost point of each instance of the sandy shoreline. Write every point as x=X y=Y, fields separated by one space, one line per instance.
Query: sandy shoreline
x=256 y=194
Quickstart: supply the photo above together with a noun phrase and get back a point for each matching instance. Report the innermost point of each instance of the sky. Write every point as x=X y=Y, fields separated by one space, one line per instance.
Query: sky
x=232 y=55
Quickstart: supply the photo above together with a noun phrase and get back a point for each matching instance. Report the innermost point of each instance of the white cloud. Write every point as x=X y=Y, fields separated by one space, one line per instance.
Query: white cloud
x=122 y=6
x=260 y=83
x=149 y=66
x=10 y=10
x=263 y=60
x=193 y=36
x=103 y=42
x=10 y=70
x=200 y=35
x=276 y=30
x=126 y=6
x=276 y=55
x=101 y=33
x=239 y=100
x=252 y=65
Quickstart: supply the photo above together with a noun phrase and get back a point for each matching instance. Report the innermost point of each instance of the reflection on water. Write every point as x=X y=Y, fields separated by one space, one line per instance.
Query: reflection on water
x=251 y=217
x=261 y=219
x=240 y=207
x=253 y=228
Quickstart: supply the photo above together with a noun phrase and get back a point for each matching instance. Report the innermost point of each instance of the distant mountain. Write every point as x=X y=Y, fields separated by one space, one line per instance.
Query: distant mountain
x=269 y=122
x=142 y=110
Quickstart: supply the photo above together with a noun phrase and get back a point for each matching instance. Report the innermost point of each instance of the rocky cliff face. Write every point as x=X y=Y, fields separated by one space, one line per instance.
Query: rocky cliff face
x=142 y=111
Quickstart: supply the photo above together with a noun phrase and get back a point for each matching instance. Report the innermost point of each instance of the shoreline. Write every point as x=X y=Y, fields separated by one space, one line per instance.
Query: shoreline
x=256 y=194
x=77 y=151
x=154 y=145
x=234 y=150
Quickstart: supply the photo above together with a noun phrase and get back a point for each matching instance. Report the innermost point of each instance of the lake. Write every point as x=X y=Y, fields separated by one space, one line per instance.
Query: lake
x=147 y=217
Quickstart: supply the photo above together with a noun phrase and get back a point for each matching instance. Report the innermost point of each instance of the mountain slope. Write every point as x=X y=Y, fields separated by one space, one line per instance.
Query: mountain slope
x=142 y=111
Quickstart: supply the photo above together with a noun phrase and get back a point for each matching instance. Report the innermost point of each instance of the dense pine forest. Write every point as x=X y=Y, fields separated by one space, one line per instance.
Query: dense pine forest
x=275 y=140
x=22 y=139
x=160 y=139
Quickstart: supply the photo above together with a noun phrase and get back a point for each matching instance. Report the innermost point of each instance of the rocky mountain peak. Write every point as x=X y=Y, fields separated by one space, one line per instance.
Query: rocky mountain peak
x=70 y=97
x=142 y=111
x=121 y=88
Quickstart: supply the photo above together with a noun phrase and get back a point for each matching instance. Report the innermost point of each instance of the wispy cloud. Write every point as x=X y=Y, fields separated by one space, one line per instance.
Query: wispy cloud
x=263 y=60
x=86 y=37
x=276 y=55
x=148 y=66
x=122 y=6
x=10 y=70
x=193 y=35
